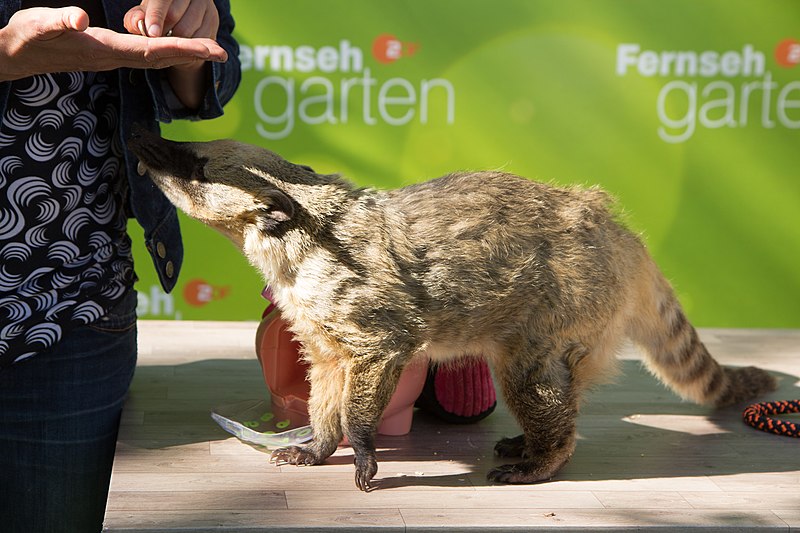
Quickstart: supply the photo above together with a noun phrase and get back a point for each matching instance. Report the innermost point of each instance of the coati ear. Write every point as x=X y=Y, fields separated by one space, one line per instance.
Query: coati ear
x=280 y=208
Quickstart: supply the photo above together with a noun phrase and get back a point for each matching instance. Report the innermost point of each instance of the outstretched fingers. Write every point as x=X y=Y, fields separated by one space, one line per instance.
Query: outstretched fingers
x=136 y=51
x=179 y=18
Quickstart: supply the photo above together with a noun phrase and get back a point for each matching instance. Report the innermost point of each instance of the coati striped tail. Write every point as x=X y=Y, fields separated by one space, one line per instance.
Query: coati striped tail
x=676 y=355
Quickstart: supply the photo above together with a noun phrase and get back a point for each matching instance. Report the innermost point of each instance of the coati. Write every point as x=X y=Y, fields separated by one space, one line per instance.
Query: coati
x=542 y=281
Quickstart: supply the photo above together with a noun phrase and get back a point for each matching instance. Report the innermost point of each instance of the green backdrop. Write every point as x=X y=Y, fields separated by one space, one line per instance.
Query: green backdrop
x=688 y=112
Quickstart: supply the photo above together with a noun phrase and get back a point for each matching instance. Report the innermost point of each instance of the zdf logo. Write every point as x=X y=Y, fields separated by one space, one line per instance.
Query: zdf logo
x=787 y=53
x=387 y=48
x=198 y=292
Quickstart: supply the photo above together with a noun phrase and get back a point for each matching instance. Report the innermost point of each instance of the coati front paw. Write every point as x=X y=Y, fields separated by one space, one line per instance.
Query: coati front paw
x=366 y=468
x=510 y=447
x=295 y=455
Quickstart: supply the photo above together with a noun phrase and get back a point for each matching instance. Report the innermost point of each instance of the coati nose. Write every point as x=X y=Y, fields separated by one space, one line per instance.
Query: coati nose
x=139 y=133
x=139 y=139
x=153 y=151
x=160 y=155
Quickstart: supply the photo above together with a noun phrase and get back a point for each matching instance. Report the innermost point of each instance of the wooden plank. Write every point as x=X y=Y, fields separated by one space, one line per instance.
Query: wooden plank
x=454 y=498
x=269 y=479
x=577 y=519
x=644 y=484
x=238 y=500
x=791 y=517
x=643 y=499
x=774 y=499
x=161 y=464
x=285 y=521
x=767 y=482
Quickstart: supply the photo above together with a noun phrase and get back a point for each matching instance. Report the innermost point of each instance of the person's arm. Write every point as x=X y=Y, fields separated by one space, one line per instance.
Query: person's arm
x=45 y=40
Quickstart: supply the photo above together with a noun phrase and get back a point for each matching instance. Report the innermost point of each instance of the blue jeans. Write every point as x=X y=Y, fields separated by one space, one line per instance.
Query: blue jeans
x=59 y=417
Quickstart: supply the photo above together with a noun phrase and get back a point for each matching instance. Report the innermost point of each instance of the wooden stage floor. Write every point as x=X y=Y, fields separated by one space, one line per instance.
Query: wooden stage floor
x=645 y=459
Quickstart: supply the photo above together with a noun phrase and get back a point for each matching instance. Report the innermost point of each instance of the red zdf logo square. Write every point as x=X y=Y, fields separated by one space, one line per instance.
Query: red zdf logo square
x=787 y=53
x=387 y=48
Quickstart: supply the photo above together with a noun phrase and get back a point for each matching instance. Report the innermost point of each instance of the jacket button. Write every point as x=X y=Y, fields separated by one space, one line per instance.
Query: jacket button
x=140 y=169
x=161 y=250
x=169 y=269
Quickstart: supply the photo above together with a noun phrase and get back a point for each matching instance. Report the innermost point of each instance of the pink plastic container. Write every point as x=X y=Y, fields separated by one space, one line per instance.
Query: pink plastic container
x=285 y=375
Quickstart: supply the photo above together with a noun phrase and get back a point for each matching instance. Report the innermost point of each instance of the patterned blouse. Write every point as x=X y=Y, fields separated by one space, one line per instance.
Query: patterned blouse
x=65 y=257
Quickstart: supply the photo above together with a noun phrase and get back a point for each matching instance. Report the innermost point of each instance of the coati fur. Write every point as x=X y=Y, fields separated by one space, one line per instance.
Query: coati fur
x=542 y=281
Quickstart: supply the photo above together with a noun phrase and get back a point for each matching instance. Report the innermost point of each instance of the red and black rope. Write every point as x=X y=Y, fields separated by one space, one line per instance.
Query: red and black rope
x=756 y=416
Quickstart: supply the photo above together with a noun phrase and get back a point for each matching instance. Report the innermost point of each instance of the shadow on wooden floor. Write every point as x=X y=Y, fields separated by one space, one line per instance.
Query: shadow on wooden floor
x=632 y=429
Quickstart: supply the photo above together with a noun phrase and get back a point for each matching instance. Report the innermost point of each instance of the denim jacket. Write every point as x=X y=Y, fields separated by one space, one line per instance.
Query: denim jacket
x=147 y=99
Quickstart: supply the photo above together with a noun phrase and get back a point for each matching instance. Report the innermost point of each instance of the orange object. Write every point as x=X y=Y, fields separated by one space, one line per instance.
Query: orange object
x=285 y=375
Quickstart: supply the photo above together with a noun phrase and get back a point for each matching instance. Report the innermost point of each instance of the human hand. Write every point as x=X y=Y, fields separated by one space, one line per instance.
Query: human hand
x=181 y=18
x=45 y=40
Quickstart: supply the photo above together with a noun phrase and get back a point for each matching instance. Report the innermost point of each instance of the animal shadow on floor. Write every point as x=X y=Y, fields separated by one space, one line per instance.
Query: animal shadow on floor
x=634 y=428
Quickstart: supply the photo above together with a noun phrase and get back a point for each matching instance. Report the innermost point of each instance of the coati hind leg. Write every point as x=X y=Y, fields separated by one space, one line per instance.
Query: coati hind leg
x=539 y=392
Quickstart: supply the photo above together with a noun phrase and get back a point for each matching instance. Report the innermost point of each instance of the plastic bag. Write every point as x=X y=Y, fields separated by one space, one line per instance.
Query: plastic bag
x=259 y=422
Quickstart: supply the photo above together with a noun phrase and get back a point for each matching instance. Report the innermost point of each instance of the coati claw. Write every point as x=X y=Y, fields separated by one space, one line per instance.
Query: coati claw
x=294 y=455
x=366 y=468
x=362 y=482
x=510 y=447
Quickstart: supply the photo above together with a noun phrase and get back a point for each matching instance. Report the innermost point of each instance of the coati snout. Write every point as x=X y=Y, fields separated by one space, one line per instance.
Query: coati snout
x=221 y=183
